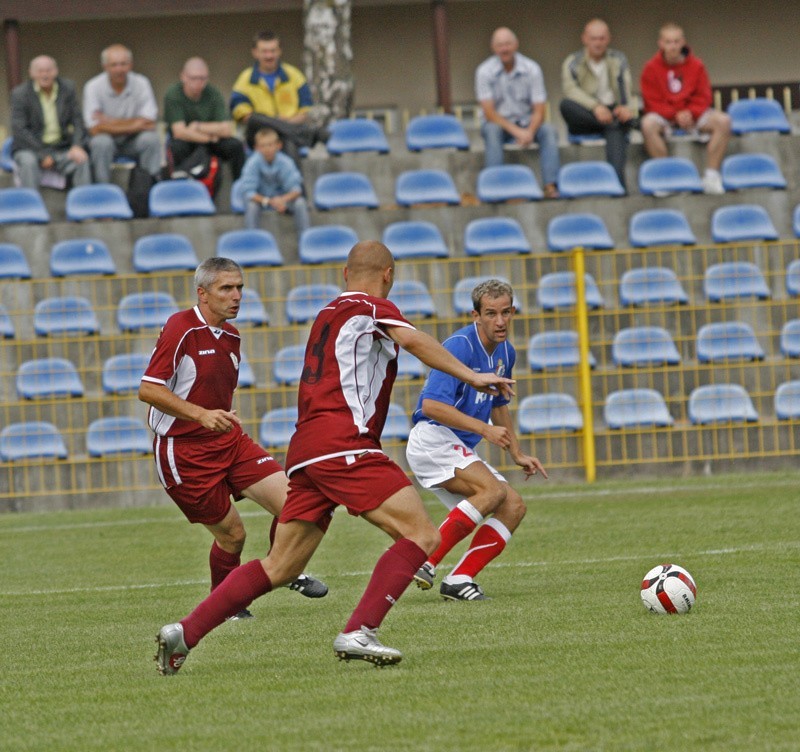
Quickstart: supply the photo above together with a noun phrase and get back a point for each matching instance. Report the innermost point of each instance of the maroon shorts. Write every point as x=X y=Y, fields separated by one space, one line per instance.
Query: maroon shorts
x=200 y=476
x=359 y=483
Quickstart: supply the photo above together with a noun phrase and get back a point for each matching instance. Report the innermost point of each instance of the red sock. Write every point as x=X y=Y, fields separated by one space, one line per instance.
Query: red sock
x=239 y=589
x=487 y=544
x=456 y=526
x=392 y=575
x=222 y=563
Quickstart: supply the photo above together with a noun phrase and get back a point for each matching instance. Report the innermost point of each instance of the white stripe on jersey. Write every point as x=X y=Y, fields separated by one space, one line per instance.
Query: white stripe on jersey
x=180 y=384
x=171 y=458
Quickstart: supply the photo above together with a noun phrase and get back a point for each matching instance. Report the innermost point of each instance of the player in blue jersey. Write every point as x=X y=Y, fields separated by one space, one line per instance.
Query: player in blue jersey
x=450 y=419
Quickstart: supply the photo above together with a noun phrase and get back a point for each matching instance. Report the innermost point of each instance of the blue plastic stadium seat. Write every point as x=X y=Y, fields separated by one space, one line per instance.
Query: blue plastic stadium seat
x=277 y=427
x=409 y=367
x=69 y=314
x=247 y=377
x=512 y=182
x=758 y=114
x=180 y=198
x=585 y=139
x=796 y=221
x=669 y=175
x=6 y=324
x=31 y=440
x=489 y=235
x=590 y=178
x=555 y=350
x=462 y=292
x=165 y=251
x=81 y=256
x=579 y=230
x=790 y=339
x=738 y=222
x=251 y=310
x=734 y=279
x=727 y=340
x=304 y=302
x=413 y=298
x=287 y=367
x=651 y=227
x=436 y=132
x=415 y=187
x=793 y=278
x=6 y=160
x=357 y=134
x=13 y=264
x=557 y=290
x=636 y=408
x=22 y=205
x=48 y=377
x=122 y=374
x=250 y=248
x=337 y=190
x=787 y=401
x=549 y=413
x=144 y=310
x=120 y=435
x=653 y=284
x=414 y=239
x=324 y=243
x=397 y=425
x=97 y=201
x=237 y=199
x=740 y=171
x=721 y=403
x=644 y=346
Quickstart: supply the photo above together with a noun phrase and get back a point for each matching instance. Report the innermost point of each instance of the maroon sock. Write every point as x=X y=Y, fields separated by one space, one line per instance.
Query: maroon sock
x=239 y=589
x=391 y=576
x=222 y=563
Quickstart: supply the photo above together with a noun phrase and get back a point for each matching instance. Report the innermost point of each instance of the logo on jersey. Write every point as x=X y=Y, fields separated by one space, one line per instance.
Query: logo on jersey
x=235 y=361
x=206 y=352
x=500 y=370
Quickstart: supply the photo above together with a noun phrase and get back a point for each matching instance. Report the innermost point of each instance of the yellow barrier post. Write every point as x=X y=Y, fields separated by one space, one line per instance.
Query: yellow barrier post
x=584 y=373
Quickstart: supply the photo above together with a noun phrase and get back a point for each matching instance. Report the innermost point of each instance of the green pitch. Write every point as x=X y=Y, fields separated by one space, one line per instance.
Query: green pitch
x=564 y=656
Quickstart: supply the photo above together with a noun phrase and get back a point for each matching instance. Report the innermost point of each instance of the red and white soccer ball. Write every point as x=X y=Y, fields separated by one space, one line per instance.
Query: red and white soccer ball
x=668 y=589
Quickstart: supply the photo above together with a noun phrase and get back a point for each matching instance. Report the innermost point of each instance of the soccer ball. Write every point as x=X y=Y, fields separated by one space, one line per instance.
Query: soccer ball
x=668 y=589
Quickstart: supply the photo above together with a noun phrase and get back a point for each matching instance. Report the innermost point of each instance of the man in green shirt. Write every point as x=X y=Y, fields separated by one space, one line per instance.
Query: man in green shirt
x=196 y=114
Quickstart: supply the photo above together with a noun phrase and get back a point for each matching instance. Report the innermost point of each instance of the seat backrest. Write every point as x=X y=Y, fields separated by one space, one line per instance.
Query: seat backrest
x=162 y=252
x=173 y=198
x=69 y=314
x=277 y=426
x=398 y=425
x=251 y=309
x=651 y=227
x=741 y=171
x=335 y=190
x=13 y=264
x=720 y=403
x=325 y=243
x=579 y=230
x=409 y=366
x=489 y=235
x=122 y=374
x=758 y=114
x=425 y=187
x=557 y=290
x=7 y=330
x=144 y=310
x=549 y=413
x=787 y=400
x=250 y=248
x=22 y=205
x=634 y=408
x=644 y=346
x=412 y=297
x=590 y=178
x=727 y=340
x=31 y=440
x=734 y=279
x=48 y=377
x=508 y=183
x=304 y=302
x=790 y=339
x=435 y=132
x=793 y=278
x=357 y=134
x=555 y=350
x=738 y=222
x=652 y=284
x=118 y=435
x=669 y=175
x=414 y=238
x=97 y=201
x=81 y=256
x=287 y=367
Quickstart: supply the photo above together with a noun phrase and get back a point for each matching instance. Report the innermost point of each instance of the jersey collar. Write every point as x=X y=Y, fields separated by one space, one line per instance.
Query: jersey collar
x=215 y=330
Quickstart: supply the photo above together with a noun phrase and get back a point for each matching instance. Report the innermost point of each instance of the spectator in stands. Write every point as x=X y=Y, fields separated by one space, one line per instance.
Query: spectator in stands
x=510 y=89
x=197 y=118
x=677 y=93
x=272 y=181
x=47 y=126
x=120 y=111
x=596 y=82
x=274 y=94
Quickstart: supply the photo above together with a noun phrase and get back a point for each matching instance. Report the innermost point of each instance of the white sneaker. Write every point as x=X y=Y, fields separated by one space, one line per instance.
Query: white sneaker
x=362 y=644
x=712 y=183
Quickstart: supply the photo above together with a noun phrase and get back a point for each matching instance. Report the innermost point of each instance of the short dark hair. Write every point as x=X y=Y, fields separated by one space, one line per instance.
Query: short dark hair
x=494 y=288
x=265 y=36
x=267 y=131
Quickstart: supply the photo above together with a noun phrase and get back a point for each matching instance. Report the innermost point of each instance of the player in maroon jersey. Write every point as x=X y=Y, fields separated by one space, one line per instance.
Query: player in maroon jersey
x=335 y=459
x=202 y=455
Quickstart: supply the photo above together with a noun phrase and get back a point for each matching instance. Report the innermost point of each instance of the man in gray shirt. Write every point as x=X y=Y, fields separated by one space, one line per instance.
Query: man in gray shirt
x=120 y=112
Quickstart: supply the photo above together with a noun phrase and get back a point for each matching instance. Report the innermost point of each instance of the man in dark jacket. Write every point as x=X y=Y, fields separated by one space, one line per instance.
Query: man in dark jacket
x=47 y=126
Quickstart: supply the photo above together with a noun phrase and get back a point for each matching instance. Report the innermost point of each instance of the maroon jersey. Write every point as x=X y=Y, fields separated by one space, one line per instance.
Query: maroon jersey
x=197 y=362
x=348 y=373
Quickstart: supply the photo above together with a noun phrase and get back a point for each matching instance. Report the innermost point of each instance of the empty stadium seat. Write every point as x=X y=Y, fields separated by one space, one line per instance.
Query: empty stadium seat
x=144 y=310
x=236 y=197
x=409 y=366
x=738 y=222
x=653 y=284
x=721 y=403
x=435 y=132
x=579 y=230
x=19 y=205
x=787 y=401
x=511 y=182
x=304 y=302
x=397 y=425
x=793 y=278
x=247 y=377
x=251 y=309
x=414 y=239
x=758 y=114
x=740 y=171
x=13 y=264
x=636 y=408
x=549 y=413
x=357 y=134
x=489 y=235
x=644 y=346
x=557 y=290
x=180 y=198
x=6 y=160
x=415 y=187
x=590 y=178
x=337 y=190
x=119 y=435
x=462 y=292
x=796 y=221
x=734 y=279
x=555 y=350
x=6 y=324
x=651 y=227
x=122 y=374
x=287 y=366
x=97 y=201
x=413 y=298
x=48 y=377
x=250 y=248
x=326 y=243
x=665 y=175
x=790 y=339
x=165 y=251
x=69 y=314
x=277 y=427
x=81 y=256
x=727 y=340
x=31 y=440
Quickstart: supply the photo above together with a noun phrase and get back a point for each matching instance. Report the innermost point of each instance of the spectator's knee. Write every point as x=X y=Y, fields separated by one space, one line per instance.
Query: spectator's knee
x=25 y=158
x=651 y=125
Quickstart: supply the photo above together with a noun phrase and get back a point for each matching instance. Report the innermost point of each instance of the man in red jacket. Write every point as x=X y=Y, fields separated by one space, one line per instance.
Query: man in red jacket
x=677 y=93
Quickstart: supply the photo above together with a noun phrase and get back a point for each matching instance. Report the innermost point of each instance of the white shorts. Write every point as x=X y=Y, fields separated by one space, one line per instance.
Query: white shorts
x=669 y=128
x=434 y=453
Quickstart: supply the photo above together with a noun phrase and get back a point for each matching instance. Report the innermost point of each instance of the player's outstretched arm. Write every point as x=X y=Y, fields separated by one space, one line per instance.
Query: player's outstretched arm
x=168 y=402
x=501 y=418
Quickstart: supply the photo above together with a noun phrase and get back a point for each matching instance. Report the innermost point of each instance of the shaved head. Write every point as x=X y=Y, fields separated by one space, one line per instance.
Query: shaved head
x=370 y=268
x=42 y=61
x=504 y=35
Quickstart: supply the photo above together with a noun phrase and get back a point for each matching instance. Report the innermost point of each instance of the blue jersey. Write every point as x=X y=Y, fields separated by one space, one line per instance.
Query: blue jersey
x=465 y=344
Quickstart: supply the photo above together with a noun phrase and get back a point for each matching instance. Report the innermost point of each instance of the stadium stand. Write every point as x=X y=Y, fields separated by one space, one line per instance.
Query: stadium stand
x=741 y=171
x=250 y=248
x=7 y=330
x=557 y=290
x=727 y=340
x=730 y=224
x=123 y=373
x=590 y=178
x=338 y=190
x=277 y=427
x=304 y=302
x=247 y=377
x=654 y=284
x=409 y=367
x=97 y=201
x=654 y=227
x=721 y=403
x=489 y=235
x=164 y=251
x=288 y=364
x=787 y=400
x=13 y=263
x=69 y=314
x=236 y=198
x=48 y=377
x=644 y=346
x=796 y=221
x=145 y=310
x=415 y=187
x=397 y=425
x=734 y=279
x=6 y=160
x=180 y=198
x=462 y=292
x=436 y=132
x=251 y=310
x=413 y=298
x=325 y=243
x=414 y=239
x=757 y=114
x=665 y=175
x=635 y=408
x=356 y=135
x=579 y=230
x=549 y=413
x=790 y=339
x=118 y=435
x=793 y=278
x=81 y=256
x=548 y=350
x=22 y=205
x=31 y=440
x=512 y=182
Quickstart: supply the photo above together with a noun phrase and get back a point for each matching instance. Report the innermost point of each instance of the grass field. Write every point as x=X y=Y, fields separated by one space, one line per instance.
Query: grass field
x=564 y=656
